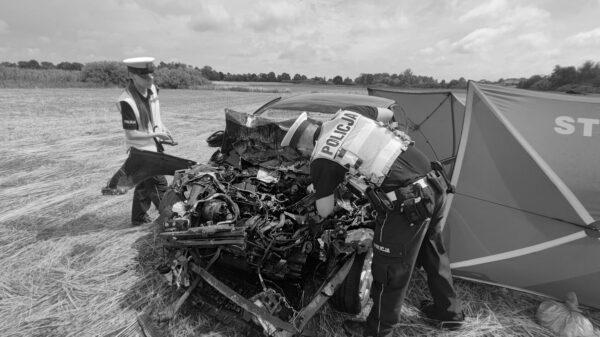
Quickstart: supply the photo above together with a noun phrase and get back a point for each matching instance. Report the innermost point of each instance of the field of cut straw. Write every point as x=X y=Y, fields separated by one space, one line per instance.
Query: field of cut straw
x=73 y=266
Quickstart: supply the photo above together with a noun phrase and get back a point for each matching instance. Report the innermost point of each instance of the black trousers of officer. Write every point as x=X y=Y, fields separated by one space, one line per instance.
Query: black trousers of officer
x=392 y=270
x=146 y=193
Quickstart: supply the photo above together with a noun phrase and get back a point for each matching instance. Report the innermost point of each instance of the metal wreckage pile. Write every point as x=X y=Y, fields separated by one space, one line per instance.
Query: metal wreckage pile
x=244 y=224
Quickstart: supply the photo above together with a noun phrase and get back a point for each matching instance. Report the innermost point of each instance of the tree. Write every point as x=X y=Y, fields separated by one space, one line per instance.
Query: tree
x=458 y=84
x=209 y=73
x=69 y=66
x=588 y=72
x=271 y=77
x=283 y=77
x=31 y=64
x=338 y=80
x=106 y=73
x=299 y=78
x=543 y=84
x=365 y=79
x=408 y=76
x=348 y=81
x=381 y=78
x=179 y=77
x=561 y=76
x=528 y=83
x=47 y=65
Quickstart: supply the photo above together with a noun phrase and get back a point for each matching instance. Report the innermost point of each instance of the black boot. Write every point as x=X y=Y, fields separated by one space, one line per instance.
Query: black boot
x=141 y=220
x=442 y=319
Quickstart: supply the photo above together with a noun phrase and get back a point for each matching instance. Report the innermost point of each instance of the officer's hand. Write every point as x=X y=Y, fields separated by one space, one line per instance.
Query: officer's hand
x=162 y=135
x=310 y=189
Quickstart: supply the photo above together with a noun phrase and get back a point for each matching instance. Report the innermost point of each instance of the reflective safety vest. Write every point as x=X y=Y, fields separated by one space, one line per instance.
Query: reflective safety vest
x=359 y=144
x=155 y=120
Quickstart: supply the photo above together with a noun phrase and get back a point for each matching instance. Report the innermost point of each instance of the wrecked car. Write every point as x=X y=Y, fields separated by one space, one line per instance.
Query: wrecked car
x=245 y=224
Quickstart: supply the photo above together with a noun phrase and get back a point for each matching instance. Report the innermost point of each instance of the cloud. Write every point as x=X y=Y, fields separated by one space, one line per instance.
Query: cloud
x=3 y=27
x=590 y=37
x=441 y=47
x=32 y=52
x=527 y=17
x=138 y=50
x=536 y=39
x=489 y=9
x=272 y=15
x=168 y=7
x=370 y=20
x=479 y=40
x=44 y=39
x=504 y=32
x=503 y=13
x=308 y=52
x=427 y=51
x=264 y=16
x=210 y=17
x=452 y=38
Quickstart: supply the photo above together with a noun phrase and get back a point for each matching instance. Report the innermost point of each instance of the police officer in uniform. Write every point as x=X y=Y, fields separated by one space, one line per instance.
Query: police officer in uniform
x=144 y=129
x=409 y=198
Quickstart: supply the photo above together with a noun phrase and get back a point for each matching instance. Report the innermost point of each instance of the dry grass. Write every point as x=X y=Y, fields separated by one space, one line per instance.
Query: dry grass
x=491 y=311
x=72 y=265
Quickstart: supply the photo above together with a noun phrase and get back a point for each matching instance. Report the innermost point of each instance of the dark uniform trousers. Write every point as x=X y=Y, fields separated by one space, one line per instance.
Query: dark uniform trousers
x=146 y=193
x=398 y=246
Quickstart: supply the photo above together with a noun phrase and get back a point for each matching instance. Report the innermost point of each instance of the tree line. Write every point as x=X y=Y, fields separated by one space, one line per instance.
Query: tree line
x=180 y=75
x=93 y=74
x=583 y=79
x=34 y=64
x=404 y=79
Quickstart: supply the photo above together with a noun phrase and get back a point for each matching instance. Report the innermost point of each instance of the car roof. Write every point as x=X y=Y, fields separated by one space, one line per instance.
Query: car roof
x=325 y=102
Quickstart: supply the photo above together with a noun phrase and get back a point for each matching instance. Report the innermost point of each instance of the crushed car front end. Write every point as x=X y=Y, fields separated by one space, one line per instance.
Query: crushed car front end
x=246 y=218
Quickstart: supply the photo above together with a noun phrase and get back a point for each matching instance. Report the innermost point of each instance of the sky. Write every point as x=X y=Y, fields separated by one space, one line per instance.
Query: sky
x=444 y=39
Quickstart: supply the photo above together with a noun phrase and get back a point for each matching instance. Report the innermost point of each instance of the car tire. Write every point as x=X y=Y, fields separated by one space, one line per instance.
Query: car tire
x=353 y=294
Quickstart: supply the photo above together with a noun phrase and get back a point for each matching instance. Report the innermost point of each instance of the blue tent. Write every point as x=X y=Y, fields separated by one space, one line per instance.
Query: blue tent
x=526 y=169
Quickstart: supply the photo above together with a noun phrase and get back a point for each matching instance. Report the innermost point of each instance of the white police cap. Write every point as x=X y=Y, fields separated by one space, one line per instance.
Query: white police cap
x=140 y=65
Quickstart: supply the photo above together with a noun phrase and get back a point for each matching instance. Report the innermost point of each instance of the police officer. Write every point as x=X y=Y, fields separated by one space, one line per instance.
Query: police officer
x=409 y=198
x=144 y=129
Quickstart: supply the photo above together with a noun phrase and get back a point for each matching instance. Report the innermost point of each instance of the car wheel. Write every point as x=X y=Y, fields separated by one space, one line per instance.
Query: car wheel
x=353 y=294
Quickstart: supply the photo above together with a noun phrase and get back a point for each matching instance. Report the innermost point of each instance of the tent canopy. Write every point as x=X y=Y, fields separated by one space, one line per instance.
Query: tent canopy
x=433 y=118
x=527 y=185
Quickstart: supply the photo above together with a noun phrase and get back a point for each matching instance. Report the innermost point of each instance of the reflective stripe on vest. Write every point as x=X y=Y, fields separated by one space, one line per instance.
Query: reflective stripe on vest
x=359 y=143
x=144 y=144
